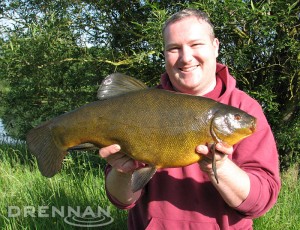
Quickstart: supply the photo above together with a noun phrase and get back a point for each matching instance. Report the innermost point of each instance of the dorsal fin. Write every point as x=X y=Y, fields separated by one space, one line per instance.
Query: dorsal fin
x=117 y=84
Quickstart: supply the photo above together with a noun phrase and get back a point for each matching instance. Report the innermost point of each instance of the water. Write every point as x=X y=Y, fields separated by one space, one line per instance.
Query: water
x=4 y=138
x=2 y=130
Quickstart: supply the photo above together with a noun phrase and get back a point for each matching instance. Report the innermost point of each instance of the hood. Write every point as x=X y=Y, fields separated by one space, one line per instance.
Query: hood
x=225 y=84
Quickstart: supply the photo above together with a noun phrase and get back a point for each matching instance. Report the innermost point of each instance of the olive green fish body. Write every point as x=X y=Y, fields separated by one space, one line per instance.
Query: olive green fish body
x=147 y=124
x=154 y=126
x=157 y=131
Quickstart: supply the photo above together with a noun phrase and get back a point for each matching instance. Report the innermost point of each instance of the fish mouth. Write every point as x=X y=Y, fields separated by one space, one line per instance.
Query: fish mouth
x=188 y=68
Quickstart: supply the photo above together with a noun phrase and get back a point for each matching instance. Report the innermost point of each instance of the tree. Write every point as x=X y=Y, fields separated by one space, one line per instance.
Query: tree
x=56 y=53
x=48 y=70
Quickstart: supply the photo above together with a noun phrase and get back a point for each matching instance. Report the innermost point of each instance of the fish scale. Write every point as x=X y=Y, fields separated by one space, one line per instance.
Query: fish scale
x=157 y=127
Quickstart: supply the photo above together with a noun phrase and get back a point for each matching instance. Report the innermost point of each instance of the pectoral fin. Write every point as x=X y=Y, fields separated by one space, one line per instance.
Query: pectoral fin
x=141 y=177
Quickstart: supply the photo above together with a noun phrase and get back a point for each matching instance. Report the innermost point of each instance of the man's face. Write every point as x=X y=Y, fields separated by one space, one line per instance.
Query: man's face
x=190 y=56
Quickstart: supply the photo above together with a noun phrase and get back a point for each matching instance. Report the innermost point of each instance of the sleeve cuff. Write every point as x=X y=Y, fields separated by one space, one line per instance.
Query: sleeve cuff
x=250 y=204
x=112 y=199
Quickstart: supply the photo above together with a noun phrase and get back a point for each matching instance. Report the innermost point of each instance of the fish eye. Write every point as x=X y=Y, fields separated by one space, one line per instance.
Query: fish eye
x=237 y=117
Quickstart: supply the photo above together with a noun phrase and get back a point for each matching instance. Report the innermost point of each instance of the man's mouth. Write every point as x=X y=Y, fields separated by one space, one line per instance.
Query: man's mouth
x=188 y=68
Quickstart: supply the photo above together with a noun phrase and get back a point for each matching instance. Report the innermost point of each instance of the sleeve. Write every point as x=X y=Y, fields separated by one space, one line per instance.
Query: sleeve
x=112 y=199
x=257 y=155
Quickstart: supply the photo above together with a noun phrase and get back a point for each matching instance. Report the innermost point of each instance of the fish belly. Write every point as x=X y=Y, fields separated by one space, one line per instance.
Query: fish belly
x=152 y=126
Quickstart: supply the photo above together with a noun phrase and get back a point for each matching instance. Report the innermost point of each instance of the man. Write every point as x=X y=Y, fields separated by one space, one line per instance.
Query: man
x=189 y=197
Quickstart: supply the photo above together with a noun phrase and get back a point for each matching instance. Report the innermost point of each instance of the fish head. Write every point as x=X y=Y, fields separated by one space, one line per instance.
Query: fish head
x=230 y=125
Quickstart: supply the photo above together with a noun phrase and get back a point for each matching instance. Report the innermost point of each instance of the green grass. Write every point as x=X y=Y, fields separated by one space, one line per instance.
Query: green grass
x=286 y=212
x=80 y=184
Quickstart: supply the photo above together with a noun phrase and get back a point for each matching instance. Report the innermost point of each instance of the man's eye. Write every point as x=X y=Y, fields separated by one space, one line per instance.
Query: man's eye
x=196 y=45
x=173 y=50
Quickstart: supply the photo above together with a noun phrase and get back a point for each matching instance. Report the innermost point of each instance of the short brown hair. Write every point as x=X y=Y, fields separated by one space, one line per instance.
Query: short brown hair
x=200 y=15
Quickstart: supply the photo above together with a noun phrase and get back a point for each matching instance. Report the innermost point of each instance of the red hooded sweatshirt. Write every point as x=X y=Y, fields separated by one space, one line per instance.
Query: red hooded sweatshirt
x=184 y=198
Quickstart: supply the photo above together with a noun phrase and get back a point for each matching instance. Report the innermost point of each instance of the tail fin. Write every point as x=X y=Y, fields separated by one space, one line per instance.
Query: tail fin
x=41 y=144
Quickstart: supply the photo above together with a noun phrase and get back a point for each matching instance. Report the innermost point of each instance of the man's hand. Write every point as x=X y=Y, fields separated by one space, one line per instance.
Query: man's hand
x=118 y=160
x=234 y=183
x=221 y=155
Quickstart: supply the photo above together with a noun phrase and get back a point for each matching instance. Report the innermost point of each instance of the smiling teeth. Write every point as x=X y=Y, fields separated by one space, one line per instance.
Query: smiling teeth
x=188 y=69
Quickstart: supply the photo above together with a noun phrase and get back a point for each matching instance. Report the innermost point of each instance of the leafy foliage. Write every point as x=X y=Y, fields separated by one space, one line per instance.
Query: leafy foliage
x=54 y=53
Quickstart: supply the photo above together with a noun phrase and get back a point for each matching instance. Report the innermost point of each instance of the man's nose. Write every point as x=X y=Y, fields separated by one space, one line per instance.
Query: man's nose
x=186 y=54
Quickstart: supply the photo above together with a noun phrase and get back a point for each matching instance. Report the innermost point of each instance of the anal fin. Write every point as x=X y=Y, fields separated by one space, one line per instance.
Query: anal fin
x=141 y=177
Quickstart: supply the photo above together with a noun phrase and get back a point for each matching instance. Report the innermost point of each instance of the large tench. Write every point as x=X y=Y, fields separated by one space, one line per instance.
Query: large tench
x=157 y=127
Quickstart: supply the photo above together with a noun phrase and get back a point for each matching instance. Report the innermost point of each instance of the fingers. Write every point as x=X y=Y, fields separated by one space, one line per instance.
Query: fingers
x=202 y=149
x=121 y=162
x=224 y=148
x=107 y=151
x=206 y=164
x=221 y=149
x=117 y=159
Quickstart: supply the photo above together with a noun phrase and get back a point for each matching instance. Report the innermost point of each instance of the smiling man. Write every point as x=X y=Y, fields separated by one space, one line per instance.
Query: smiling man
x=190 y=53
x=190 y=197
